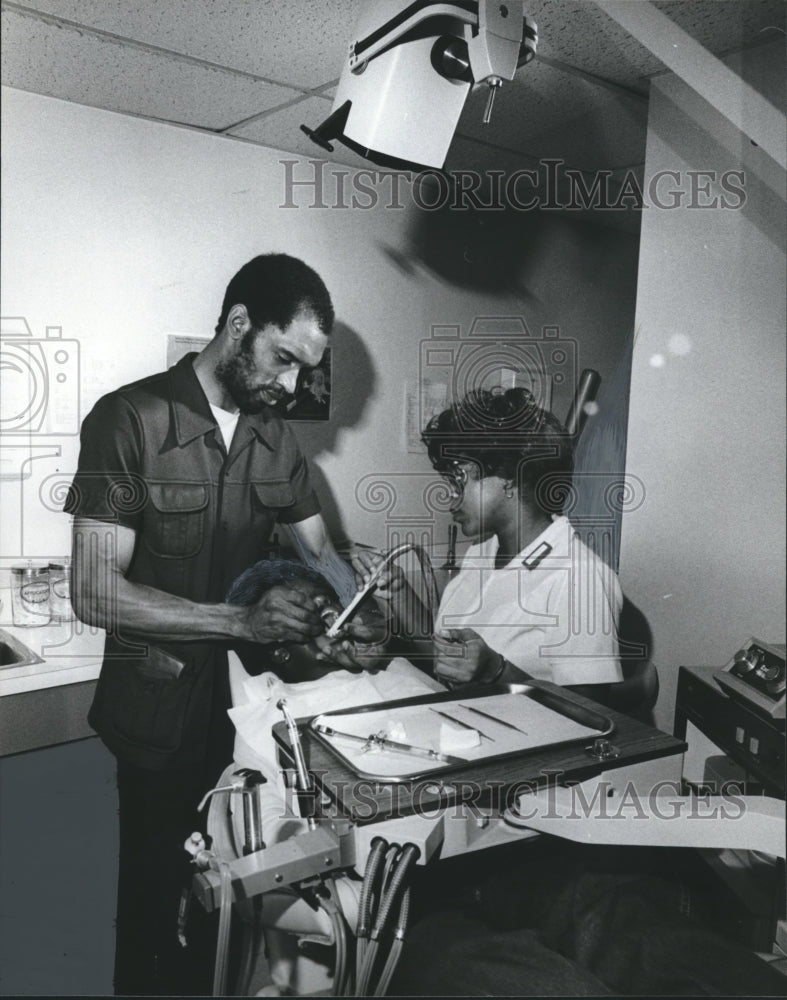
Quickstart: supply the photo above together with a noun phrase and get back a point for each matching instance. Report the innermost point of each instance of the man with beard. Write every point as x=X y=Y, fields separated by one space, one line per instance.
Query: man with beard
x=181 y=478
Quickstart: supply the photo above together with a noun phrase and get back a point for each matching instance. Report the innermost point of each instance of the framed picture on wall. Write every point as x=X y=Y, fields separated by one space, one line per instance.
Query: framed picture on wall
x=312 y=399
x=180 y=344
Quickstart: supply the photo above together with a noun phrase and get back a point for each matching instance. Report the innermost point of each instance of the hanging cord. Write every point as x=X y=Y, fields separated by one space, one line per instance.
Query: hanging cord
x=327 y=898
x=223 y=941
x=363 y=927
x=341 y=967
x=396 y=948
x=392 y=891
x=204 y=858
x=250 y=946
x=328 y=901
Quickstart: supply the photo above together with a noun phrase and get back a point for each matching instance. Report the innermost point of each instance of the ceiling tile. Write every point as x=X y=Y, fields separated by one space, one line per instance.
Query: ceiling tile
x=581 y=34
x=298 y=42
x=723 y=26
x=237 y=58
x=61 y=62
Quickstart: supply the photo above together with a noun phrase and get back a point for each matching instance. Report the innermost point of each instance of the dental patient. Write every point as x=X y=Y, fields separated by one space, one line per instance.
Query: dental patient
x=360 y=644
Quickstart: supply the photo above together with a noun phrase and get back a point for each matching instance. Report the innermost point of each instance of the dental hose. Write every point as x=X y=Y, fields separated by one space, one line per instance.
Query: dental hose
x=373 y=862
x=376 y=895
x=390 y=895
x=390 y=857
x=396 y=948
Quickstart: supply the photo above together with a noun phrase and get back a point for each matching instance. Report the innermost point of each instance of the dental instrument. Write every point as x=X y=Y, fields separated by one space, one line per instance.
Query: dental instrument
x=381 y=742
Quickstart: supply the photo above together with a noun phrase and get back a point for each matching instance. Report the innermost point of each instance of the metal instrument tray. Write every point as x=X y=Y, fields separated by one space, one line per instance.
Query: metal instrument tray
x=545 y=716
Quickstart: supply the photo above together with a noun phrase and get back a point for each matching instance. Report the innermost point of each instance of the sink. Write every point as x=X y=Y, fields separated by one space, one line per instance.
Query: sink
x=14 y=653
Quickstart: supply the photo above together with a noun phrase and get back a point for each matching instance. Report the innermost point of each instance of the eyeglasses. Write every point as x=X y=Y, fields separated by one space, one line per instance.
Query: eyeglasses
x=457 y=479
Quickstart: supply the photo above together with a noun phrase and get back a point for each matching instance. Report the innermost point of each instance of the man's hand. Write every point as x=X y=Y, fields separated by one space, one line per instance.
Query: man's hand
x=361 y=643
x=344 y=652
x=462 y=656
x=283 y=614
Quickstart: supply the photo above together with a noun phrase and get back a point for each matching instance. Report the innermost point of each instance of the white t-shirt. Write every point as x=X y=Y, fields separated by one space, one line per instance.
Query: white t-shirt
x=227 y=423
x=552 y=611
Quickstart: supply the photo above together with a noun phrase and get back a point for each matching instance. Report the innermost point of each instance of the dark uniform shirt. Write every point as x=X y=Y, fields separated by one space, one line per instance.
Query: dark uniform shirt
x=152 y=459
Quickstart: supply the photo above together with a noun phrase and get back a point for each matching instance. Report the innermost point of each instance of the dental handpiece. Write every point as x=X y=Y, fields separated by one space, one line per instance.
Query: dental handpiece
x=340 y=619
x=366 y=589
x=304 y=782
x=295 y=742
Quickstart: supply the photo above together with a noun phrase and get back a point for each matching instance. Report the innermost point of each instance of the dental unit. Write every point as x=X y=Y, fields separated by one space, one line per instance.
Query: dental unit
x=372 y=792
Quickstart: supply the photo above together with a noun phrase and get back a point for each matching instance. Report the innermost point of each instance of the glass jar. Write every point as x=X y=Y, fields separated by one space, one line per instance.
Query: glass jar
x=30 y=595
x=60 y=590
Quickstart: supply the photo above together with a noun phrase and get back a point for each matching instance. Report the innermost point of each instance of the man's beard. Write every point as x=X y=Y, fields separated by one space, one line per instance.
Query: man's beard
x=233 y=376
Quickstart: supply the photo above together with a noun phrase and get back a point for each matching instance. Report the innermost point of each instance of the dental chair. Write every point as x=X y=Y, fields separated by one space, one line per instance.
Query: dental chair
x=316 y=852
x=636 y=695
x=323 y=863
x=638 y=692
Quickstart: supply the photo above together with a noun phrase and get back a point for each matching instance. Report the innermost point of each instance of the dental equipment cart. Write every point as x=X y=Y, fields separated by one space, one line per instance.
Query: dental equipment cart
x=376 y=795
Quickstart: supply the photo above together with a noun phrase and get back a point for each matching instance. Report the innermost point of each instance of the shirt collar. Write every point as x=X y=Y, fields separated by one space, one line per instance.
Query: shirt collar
x=550 y=540
x=191 y=412
x=554 y=536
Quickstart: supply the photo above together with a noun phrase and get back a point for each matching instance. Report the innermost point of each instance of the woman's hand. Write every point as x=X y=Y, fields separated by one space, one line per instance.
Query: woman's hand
x=366 y=561
x=462 y=656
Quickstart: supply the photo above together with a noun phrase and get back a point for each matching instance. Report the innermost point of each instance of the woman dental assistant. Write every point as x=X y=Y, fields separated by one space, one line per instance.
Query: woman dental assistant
x=531 y=599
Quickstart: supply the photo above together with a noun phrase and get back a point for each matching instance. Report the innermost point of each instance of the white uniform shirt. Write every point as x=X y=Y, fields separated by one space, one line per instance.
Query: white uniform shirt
x=552 y=611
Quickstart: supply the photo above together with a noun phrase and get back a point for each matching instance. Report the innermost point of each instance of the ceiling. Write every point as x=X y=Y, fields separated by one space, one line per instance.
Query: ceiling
x=255 y=70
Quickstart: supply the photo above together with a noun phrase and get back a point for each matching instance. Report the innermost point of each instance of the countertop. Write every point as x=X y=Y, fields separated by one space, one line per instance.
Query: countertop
x=71 y=652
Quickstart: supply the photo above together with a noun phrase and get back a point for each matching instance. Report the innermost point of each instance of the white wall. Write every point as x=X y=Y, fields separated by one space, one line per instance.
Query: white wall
x=703 y=557
x=123 y=231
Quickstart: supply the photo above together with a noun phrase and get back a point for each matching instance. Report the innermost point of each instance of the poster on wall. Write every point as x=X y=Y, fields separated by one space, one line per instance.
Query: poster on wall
x=312 y=398
x=181 y=344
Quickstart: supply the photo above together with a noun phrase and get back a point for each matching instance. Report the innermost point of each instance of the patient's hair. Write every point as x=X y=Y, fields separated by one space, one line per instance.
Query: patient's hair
x=274 y=287
x=505 y=433
x=249 y=587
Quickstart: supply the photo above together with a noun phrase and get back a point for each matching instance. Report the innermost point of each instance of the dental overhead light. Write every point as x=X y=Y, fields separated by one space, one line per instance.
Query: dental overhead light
x=410 y=70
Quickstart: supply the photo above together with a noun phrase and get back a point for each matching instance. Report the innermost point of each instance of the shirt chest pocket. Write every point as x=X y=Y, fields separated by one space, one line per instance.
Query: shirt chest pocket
x=176 y=519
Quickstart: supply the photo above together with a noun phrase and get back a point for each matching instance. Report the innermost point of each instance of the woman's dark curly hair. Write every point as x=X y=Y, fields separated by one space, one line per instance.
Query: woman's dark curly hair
x=505 y=433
